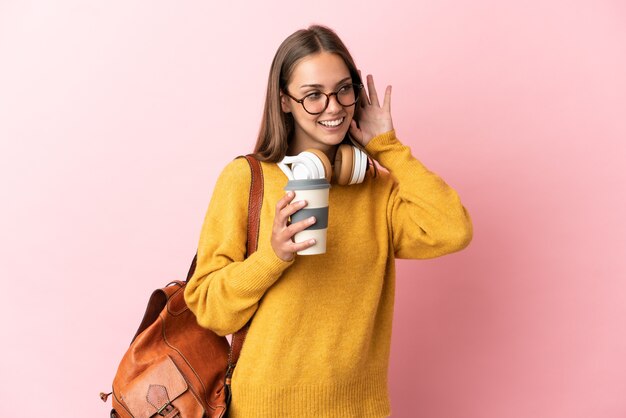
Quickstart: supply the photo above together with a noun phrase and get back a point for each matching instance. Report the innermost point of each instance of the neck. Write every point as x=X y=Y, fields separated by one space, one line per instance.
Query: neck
x=330 y=150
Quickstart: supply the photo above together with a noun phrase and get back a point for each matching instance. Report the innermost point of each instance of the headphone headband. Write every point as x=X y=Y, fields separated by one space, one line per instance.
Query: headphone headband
x=350 y=165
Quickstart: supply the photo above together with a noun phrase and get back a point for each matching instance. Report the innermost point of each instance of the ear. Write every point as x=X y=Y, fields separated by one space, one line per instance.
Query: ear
x=284 y=103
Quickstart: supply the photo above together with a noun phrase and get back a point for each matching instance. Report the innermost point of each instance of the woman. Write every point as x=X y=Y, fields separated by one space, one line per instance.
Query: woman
x=318 y=345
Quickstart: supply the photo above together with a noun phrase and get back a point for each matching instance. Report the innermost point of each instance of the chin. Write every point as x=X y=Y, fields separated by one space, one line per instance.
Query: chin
x=333 y=140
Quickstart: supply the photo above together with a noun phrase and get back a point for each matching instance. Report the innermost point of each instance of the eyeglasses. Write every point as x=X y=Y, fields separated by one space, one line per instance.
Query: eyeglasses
x=316 y=102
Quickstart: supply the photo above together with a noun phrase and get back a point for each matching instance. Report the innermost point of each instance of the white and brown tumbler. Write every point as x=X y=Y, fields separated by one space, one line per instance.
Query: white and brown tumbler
x=315 y=193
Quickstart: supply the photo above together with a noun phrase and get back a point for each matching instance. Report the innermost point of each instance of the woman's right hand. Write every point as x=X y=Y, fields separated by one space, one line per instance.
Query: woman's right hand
x=283 y=231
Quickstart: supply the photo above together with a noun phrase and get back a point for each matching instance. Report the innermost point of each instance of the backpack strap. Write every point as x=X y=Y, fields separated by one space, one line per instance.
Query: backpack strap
x=255 y=202
x=254 y=222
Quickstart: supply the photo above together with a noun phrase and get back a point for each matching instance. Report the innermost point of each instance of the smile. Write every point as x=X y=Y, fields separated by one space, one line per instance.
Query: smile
x=332 y=123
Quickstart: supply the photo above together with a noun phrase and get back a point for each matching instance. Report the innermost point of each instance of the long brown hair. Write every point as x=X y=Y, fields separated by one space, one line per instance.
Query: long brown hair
x=276 y=126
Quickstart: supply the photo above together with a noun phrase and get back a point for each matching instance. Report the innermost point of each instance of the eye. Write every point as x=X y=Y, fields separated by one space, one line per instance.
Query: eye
x=346 y=88
x=316 y=95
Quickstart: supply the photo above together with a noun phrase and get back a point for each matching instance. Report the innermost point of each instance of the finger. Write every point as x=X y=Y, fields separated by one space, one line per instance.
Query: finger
x=302 y=245
x=300 y=226
x=280 y=218
x=363 y=99
x=387 y=100
x=371 y=88
x=284 y=201
x=355 y=131
x=293 y=208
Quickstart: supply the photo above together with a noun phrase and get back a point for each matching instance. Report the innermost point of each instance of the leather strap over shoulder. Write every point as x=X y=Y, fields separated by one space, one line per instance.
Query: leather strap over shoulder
x=254 y=204
x=254 y=223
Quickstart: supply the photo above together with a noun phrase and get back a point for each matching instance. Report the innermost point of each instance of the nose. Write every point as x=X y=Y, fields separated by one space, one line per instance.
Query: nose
x=333 y=104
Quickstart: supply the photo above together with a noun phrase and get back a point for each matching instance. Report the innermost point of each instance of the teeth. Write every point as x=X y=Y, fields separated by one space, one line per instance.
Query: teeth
x=332 y=123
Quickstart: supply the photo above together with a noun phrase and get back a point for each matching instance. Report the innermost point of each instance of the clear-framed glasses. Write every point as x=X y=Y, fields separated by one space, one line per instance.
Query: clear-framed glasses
x=316 y=102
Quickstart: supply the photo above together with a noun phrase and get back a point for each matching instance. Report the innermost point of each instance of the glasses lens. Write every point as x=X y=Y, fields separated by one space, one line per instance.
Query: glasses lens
x=347 y=95
x=315 y=103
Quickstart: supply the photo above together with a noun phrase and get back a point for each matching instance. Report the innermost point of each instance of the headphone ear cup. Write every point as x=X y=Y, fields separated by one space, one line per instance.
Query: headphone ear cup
x=356 y=169
x=323 y=164
x=362 y=166
x=344 y=164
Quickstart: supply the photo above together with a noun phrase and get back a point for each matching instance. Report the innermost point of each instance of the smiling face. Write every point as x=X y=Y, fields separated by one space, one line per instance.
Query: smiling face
x=322 y=72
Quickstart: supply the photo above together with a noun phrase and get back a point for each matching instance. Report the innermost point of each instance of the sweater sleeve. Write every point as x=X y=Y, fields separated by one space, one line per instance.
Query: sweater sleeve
x=425 y=215
x=226 y=287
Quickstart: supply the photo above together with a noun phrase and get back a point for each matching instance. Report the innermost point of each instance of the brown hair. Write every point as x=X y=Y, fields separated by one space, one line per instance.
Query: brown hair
x=276 y=126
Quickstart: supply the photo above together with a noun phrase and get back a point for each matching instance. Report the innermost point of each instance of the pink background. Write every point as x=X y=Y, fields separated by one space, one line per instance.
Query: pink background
x=116 y=117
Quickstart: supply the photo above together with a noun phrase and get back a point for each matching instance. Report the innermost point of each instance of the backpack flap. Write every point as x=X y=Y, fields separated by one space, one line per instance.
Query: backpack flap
x=153 y=390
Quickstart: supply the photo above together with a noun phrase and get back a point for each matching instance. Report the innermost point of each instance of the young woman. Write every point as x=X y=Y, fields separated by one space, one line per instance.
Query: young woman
x=318 y=345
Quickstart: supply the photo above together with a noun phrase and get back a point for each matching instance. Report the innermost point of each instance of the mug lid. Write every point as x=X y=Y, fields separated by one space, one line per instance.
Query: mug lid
x=311 y=184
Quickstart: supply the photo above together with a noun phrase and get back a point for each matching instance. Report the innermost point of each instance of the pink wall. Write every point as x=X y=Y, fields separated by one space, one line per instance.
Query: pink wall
x=116 y=117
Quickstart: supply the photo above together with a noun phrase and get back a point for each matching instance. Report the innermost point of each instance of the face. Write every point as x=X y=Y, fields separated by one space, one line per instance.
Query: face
x=324 y=72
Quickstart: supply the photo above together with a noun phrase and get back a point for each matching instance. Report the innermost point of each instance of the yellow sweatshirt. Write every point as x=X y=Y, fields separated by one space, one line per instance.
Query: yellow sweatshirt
x=319 y=343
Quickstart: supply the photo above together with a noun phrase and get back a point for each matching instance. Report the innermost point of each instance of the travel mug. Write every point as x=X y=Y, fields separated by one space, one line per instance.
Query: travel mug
x=315 y=192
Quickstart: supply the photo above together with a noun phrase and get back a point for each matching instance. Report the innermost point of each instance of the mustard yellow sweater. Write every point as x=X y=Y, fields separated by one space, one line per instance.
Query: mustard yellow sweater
x=319 y=342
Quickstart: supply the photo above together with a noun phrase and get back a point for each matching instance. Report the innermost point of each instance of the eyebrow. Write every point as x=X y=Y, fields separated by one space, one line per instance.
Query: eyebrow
x=319 y=86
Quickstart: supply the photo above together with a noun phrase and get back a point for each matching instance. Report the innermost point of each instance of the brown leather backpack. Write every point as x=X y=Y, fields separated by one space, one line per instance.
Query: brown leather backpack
x=174 y=368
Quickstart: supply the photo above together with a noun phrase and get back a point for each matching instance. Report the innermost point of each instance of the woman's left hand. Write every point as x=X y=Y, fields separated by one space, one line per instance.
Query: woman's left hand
x=374 y=119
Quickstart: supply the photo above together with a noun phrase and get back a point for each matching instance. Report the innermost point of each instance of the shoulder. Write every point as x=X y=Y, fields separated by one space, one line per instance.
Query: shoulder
x=235 y=174
x=230 y=195
x=380 y=177
x=232 y=187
